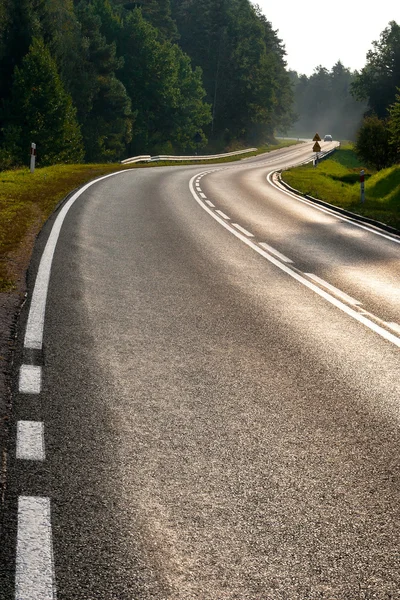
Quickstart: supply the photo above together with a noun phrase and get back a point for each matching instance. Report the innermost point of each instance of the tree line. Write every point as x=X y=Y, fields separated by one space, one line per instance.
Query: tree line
x=100 y=80
x=324 y=102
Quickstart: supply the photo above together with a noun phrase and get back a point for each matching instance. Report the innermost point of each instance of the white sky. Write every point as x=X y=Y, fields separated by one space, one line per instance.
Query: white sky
x=321 y=32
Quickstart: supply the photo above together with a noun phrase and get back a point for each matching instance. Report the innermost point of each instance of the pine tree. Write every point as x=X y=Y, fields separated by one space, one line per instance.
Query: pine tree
x=104 y=107
x=41 y=111
x=167 y=95
x=243 y=64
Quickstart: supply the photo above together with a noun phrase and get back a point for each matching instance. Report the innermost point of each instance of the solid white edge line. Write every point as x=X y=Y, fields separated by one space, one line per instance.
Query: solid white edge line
x=35 y=324
x=334 y=289
x=332 y=300
x=223 y=215
x=30 y=379
x=328 y=211
x=243 y=230
x=30 y=440
x=34 y=575
x=273 y=251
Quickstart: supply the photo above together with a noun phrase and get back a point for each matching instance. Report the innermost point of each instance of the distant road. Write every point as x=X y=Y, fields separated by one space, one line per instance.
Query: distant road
x=214 y=413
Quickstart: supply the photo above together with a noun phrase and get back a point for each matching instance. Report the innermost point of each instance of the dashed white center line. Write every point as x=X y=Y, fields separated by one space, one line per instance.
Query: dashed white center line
x=210 y=203
x=223 y=215
x=34 y=577
x=373 y=326
x=243 y=230
x=30 y=379
x=30 y=440
x=275 y=252
x=202 y=195
x=345 y=297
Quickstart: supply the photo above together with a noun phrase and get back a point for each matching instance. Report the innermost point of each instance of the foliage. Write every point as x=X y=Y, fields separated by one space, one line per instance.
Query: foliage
x=149 y=76
x=104 y=107
x=41 y=111
x=324 y=103
x=378 y=137
x=243 y=64
x=372 y=143
x=166 y=93
x=378 y=80
x=394 y=127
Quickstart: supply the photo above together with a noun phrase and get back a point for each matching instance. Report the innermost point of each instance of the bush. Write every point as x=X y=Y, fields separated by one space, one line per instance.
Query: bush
x=373 y=143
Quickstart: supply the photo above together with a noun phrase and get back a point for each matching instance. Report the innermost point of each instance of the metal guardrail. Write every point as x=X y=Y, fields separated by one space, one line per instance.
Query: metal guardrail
x=161 y=157
x=134 y=159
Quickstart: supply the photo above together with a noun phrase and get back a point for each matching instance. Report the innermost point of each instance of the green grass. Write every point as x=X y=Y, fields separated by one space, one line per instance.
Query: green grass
x=28 y=199
x=336 y=180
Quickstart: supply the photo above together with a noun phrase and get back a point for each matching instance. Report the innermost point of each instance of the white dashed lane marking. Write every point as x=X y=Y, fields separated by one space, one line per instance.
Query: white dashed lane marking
x=210 y=203
x=30 y=441
x=243 y=230
x=275 y=252
x=295 y=273
x=30 y=379
x=223 y=215
x=34 y=576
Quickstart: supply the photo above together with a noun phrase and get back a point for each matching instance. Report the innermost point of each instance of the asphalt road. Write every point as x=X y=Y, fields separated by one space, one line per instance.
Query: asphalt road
x=219 y=399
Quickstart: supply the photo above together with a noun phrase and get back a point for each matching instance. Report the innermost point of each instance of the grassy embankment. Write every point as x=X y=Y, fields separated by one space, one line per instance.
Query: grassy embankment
x=27 y=200
x=336 y=180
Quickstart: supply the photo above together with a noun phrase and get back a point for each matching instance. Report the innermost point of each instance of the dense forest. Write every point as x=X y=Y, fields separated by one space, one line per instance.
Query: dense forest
x=100 y=80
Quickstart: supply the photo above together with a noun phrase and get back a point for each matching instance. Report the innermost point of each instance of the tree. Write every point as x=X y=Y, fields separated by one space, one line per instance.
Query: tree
x=167 y=95
x=394 y=126
x=372 y=144
x=41 y=111
x=20 y=26
x=242 y=60
x=378 y=80
x=158 y=13
x=104 y=107
x=324 y=103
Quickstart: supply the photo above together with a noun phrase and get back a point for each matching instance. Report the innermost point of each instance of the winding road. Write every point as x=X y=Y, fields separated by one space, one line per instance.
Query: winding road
x=208 y=408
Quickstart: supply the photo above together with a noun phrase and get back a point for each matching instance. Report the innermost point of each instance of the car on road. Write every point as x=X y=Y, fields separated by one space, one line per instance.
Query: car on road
x=328 y=138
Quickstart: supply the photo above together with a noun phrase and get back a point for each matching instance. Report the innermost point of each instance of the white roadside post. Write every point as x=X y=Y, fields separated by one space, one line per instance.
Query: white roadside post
x=33 y=157
x=362 y=173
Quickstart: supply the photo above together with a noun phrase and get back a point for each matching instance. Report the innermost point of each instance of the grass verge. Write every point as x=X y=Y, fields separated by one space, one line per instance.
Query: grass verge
x=28 y=199
x=336 y=180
